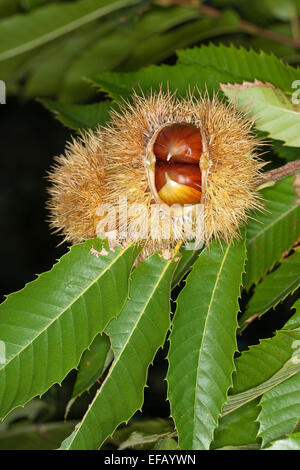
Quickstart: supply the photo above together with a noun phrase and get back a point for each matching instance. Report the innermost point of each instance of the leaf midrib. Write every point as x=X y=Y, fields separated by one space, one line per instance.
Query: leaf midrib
x=236 y=401
x=205 y=327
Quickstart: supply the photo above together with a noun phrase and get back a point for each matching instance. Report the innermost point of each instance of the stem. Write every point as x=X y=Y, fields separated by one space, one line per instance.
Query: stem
x=275 y=175
x=244 y=25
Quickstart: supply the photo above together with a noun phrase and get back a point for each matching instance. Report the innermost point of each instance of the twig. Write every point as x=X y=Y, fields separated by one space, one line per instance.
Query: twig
x=243 y=25
x=275 y=175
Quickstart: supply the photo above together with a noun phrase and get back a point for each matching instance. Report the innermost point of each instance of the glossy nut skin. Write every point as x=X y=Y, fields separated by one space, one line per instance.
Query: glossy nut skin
x=178 y=143
x=178 y=183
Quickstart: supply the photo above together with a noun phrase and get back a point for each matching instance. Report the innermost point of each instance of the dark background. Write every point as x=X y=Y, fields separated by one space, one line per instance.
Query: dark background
x=30 y=138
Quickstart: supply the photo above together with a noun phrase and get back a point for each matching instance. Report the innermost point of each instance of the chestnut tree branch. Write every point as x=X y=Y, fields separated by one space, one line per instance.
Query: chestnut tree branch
x=272 y=176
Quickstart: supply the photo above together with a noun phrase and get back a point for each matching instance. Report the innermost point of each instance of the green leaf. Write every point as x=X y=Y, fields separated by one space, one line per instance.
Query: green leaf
x=87 y=50
x=202 y=343
x=238 y=428
x=92 y=365
x=272 y=110
x=274 y=289
x=21 y=33
x=263 y=367
x=288 y=153
x=45 y=71
x=272 y=232
x=46 y=436
x=262 y=361
x=136 y=335
x=290 y=368
x=294 y=321
x=12 y=71
x=103 y=55
x=145 y=426
x=46 y=326
x=33 y=410
x=175 y=78
x=167 y=443
x=264 y=11
x=188 y=258
x=160 y=19
x=159 y=47
x=77 y=116
x=242 y=64
x=8 y=7
x=291 y=442
x=280 y=410
x=106 y=54
x=139 y=440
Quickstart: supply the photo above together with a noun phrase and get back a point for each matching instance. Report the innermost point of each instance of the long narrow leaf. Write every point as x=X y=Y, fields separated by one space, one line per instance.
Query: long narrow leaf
x=136 y=335
x=21 y=33
x=273 y=231
x=280 y=410
x=202 y=343
x=289 y=370
x=263 y=367
x=262 y=361
x=274 y=289
x=45 y=327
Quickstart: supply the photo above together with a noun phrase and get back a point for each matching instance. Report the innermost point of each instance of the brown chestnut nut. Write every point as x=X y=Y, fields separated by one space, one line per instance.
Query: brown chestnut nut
x=177 y=143
x=178 y=183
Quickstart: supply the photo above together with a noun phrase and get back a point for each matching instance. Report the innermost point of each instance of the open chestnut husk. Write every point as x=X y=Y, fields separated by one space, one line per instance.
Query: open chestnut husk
x=159 y=151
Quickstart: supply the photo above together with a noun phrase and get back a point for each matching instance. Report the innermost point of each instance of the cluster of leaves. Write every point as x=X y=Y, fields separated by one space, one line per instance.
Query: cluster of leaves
x=96 y=313
x=93 y=37
x=49 y=48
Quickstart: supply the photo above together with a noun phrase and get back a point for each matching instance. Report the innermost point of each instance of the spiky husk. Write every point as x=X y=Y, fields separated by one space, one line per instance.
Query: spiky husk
x=110 y=164
x=77 y=188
